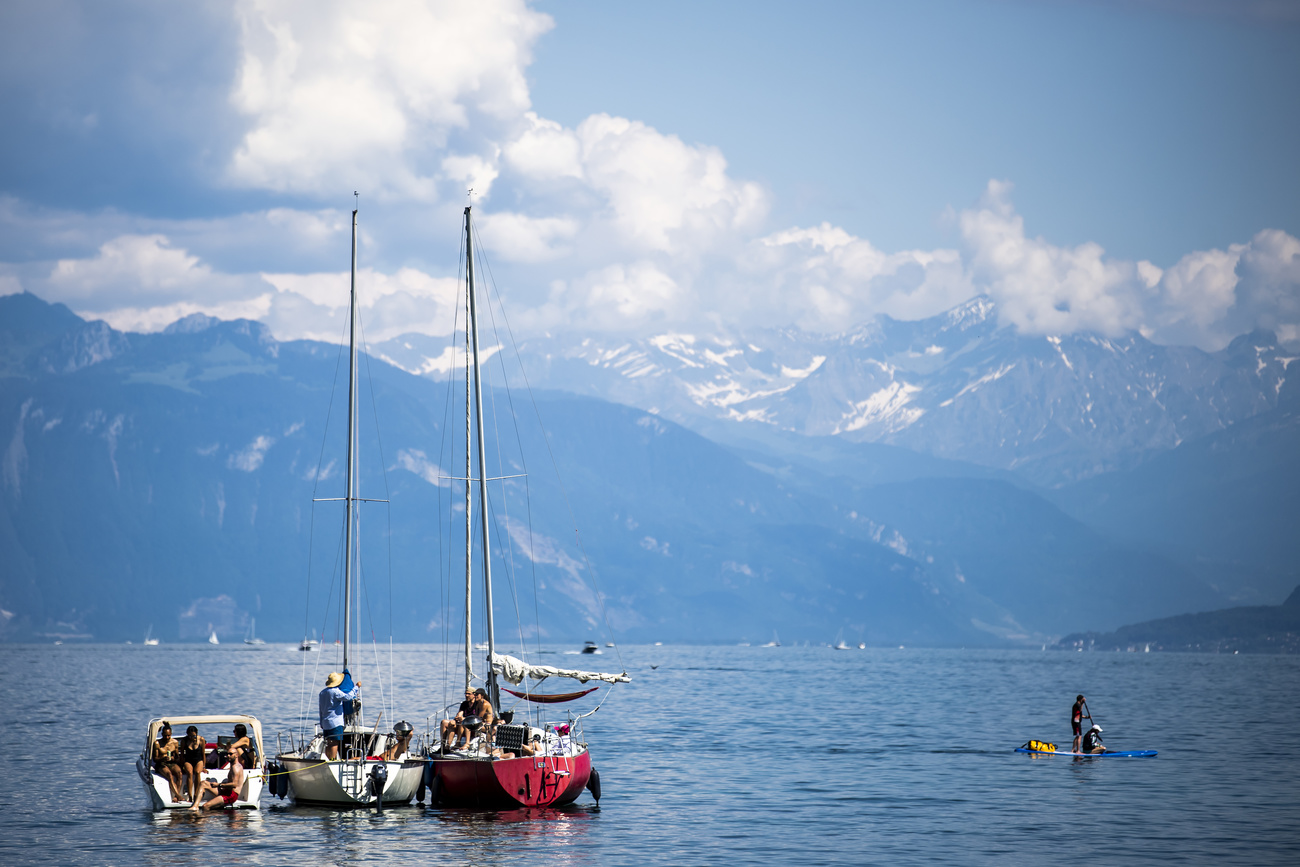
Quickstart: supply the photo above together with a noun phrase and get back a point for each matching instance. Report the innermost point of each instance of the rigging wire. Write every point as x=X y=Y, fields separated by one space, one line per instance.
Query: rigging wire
x=311 y=535
x=446 y=443
x=508 y=537
x=388 y=511
x=600 y=597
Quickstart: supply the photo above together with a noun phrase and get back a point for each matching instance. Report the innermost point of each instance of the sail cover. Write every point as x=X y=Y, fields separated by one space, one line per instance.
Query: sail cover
x=515 y=670
x=551 y=698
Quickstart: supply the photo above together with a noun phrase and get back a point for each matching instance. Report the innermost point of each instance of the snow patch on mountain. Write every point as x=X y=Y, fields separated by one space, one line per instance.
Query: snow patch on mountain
x=888 y=408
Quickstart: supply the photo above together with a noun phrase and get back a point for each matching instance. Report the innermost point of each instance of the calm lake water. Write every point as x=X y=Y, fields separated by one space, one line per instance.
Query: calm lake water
x=721 y=755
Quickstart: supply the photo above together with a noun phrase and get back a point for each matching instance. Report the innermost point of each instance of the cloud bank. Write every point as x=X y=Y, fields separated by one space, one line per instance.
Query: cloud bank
x=610 y=225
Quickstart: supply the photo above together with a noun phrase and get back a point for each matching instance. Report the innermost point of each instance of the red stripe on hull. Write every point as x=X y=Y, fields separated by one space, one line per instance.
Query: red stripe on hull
x=527 y=781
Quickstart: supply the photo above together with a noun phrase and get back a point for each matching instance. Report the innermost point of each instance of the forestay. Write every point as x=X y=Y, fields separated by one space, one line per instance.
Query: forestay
x=515 y=670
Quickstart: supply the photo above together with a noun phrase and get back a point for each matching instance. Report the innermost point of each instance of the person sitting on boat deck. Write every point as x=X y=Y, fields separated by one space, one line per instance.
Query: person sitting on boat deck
x=1076 y=721
x=226 y=792
x=166 y=753
x=402 y=733
x=452 y=730
x=241 y=740
x=483 y=710
x=193 y=755
x=1092 y=740
x=335 y=699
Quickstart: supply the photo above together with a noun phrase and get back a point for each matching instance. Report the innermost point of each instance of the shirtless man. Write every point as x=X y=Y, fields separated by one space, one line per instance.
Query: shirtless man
x=452 y=730
x=166 y=753
x=227 y=792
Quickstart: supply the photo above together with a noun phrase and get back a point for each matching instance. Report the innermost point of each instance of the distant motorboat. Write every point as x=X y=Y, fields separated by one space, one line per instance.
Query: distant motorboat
x=252 y=633
x=590 y=647
x=212 y=638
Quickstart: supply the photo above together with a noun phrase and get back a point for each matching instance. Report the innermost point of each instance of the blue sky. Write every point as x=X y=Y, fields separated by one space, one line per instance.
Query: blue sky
x=1098 y=166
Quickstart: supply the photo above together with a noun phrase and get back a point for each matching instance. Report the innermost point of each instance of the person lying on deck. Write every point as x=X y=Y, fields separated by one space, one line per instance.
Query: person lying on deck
x=226 y=792
x=166 y=752
x=193 y=754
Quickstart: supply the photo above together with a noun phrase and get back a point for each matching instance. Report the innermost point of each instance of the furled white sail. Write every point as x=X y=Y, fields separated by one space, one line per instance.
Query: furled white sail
x=515 y=670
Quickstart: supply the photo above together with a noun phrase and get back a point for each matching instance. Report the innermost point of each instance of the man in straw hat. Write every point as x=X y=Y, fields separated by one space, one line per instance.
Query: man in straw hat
x=335 y=698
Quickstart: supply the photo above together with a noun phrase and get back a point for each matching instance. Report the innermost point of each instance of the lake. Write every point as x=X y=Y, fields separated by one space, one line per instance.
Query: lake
x=720 y=755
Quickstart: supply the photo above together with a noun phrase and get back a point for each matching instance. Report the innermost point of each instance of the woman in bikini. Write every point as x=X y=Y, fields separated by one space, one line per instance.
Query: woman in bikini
x=193 y=753
x=165 y=752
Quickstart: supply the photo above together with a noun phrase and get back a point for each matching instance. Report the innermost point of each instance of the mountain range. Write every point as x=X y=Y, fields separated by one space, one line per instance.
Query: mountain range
x=1252 y=628
x=948 y=481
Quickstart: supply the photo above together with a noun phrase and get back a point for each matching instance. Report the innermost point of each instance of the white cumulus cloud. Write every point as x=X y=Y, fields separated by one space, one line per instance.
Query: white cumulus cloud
x=371 y=94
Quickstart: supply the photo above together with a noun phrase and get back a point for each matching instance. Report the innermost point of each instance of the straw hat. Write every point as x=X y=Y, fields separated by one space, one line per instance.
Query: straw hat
x=334 y=679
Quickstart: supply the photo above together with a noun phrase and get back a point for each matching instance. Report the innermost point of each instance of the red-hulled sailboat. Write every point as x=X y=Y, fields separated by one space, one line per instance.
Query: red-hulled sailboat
x=534 y=762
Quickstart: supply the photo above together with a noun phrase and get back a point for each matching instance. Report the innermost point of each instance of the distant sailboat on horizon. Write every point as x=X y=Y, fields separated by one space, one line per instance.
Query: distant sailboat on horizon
x=149 y=640
x=212 y=637
x=252 y=633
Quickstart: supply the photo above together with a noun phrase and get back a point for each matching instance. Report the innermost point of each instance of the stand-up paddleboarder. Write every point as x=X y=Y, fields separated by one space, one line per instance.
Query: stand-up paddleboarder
x=1077 y=713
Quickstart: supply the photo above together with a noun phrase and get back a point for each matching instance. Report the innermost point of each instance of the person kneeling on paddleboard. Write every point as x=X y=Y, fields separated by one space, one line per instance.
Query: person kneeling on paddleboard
x=1092 y=740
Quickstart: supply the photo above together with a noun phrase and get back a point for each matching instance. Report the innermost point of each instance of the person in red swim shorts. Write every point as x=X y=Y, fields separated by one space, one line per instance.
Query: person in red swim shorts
x=227 y=792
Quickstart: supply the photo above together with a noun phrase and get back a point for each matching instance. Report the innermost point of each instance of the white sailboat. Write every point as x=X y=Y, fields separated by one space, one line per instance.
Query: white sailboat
x=252 y=633
x=212 y=637
x=361 y=776
x=149 y=640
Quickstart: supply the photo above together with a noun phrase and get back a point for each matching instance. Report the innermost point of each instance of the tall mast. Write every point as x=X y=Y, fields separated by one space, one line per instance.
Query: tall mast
x=494 y=694
x=469 y=476
x=350 y=496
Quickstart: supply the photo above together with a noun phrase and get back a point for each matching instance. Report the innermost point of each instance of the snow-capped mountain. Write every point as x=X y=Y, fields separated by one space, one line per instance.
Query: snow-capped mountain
x=958 y=386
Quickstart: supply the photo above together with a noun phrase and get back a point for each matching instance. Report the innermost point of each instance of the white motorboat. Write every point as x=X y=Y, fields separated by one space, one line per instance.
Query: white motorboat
x=158 y=791
x=363 y=774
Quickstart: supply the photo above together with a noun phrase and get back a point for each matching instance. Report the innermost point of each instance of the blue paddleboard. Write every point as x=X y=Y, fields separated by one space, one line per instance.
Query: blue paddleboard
x=1129 y=754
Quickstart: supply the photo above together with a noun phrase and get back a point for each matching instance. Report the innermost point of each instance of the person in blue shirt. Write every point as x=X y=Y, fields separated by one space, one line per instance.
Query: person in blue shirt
x=335 y=699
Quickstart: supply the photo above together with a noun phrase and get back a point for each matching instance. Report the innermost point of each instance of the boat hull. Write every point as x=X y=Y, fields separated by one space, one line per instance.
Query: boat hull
x=157 y=793
x=526 y=781
x=347 y=783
